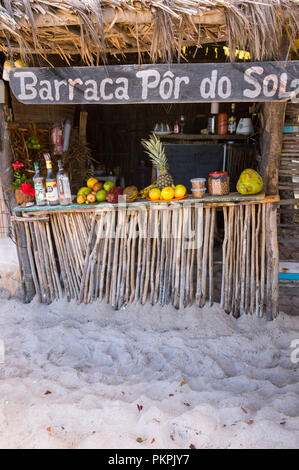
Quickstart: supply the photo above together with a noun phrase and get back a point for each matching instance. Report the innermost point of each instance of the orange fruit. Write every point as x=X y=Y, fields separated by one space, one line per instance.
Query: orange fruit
x=167 y=193
x=154 y=193
x=180 y=190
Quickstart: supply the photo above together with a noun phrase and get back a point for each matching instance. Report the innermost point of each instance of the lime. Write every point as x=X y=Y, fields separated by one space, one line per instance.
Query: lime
x=101 y=195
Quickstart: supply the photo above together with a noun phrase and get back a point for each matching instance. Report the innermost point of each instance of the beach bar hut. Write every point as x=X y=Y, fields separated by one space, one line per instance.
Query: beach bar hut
x=117 y=68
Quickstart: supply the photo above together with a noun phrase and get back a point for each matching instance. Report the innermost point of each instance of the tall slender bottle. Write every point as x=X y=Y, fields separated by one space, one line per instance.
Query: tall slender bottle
x=232 y=121
x=63 y=184
x=39 y=186
x=51 y=184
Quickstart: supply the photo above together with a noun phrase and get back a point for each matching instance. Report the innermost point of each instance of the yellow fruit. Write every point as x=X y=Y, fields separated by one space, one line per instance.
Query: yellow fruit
x=84 y=190
x=180 y=190
x=81 y=199
x=91 y=182
x=154 y=193
x=167 y=193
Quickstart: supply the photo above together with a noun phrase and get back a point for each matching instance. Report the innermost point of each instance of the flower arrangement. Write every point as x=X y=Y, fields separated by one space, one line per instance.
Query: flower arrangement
x=21 y=181
x=24 y=190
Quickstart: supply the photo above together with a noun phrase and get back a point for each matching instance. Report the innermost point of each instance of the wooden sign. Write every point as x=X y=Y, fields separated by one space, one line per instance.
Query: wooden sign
x=160 y=83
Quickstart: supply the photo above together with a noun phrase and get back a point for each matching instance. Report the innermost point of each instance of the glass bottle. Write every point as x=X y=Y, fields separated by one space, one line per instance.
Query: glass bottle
x=232 y=121
x=63 y=184
x=51 y=184
x=39 y=186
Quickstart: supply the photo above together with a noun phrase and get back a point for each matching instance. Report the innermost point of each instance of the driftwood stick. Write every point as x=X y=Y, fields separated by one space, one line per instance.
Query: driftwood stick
x=183 y=257
x=205 y=255
x=253 y=253
x=178 y=257
x=224 y=258
x=86 y=264
x=199 y=223
x=158 y=259
x=133 y=256
x=31 y=260
x=139 y=256
x=211 y=257
x=153 y=257
x=244 y=250
x=257 y=271
x=147 y=258
x=112 y=235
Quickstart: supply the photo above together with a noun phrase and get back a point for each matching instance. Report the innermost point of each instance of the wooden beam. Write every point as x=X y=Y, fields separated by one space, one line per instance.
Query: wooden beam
x=71 y=50
x=119 y=16
x=273 y=117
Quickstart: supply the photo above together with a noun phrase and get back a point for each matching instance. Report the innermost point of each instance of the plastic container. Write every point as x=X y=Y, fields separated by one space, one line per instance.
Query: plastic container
x=198 y=183
x=198 y=192
x=218 y=183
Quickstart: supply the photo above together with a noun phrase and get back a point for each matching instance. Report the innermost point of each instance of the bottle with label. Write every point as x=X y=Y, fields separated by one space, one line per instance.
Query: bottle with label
x=212 y=119
x=222 y=124
x=63 y=184
x=51 y=184
x=39 y=186
x=176 y=128
x=232 y=121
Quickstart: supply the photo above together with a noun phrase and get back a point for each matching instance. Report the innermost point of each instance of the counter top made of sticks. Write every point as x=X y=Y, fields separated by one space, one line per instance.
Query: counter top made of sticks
x=230 y=199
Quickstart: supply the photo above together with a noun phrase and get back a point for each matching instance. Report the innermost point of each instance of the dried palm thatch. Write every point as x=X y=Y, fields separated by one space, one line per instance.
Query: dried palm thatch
x=93 y=28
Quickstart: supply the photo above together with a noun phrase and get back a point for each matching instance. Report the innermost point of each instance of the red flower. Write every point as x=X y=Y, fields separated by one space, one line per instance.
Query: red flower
x=17 y=165
x=27 y=188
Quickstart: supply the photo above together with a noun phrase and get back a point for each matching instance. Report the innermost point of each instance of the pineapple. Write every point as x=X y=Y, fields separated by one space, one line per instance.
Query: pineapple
x=154 y=148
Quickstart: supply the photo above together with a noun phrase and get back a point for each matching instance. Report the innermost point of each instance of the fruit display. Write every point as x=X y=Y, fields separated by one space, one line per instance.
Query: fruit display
x=131 y=193
x=33 y=143
x=95 y=191
x=113 y=194
x=169 y=193
x=145 y=191
x=250 y=182
x=156 y=152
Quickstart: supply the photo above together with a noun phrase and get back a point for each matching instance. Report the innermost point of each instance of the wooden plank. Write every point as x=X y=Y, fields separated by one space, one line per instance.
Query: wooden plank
x=216 y=200
x=156 y=83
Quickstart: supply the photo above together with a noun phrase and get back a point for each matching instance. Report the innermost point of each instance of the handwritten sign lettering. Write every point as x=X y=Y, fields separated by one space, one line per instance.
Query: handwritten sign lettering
x=259 y=81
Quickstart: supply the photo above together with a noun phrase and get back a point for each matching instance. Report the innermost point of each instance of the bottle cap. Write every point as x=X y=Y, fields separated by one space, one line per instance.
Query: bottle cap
x=214 y=108
x=218 y=173
x=36 y=165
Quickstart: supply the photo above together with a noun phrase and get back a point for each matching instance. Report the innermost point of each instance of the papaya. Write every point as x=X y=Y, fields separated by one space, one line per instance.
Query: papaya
x=249 y=182
x=131 y=193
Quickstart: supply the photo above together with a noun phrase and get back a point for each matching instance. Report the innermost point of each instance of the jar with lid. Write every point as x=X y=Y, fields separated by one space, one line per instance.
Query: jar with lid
x=218 y=183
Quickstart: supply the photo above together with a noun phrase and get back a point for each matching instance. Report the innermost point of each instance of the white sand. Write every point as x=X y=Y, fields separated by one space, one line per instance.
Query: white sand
x=241 y=388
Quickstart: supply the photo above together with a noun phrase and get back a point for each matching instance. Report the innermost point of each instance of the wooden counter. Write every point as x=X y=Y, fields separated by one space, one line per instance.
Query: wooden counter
x=152 y=252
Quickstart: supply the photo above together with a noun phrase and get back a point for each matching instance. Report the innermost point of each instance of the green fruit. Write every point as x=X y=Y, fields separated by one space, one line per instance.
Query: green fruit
x=109 y=185
x=84 y=190
x=250 y=182
x=101 y=195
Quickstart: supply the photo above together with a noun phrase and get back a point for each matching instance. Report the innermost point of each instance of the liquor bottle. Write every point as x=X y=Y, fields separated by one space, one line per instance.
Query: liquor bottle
x=212 y=120
x=39 y=186
x=51 y=184
x=176 y=128
x=232 y=121
x=182 y=123
x=63 y=184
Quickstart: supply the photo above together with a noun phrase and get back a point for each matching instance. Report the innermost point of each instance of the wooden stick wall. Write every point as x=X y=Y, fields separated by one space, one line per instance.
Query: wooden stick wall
x=159 y=254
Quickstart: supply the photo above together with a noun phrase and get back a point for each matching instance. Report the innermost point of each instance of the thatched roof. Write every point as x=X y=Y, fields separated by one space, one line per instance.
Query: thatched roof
x=93 y=28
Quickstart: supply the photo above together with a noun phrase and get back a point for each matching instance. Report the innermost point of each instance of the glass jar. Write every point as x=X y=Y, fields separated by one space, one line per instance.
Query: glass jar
x=218 y=183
